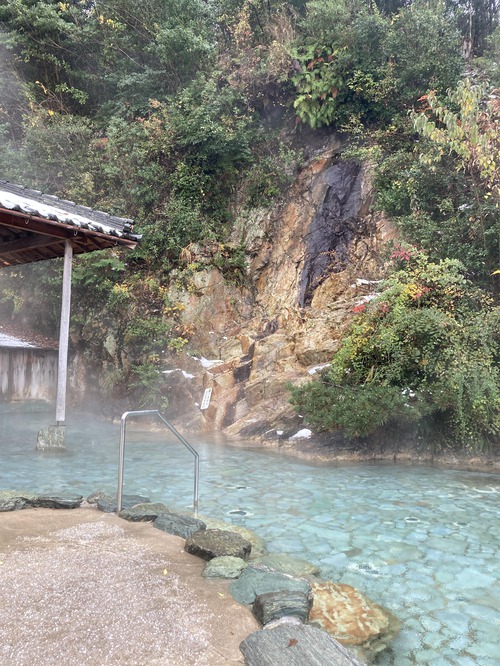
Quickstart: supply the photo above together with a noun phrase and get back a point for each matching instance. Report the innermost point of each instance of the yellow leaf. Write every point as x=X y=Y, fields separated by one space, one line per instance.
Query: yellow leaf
x=165 y=572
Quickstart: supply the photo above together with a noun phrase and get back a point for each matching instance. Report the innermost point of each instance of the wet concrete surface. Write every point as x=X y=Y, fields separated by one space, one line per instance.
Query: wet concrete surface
x=80 y=586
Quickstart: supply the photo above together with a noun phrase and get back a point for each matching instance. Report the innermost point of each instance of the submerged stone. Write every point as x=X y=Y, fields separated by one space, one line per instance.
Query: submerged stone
x=147 y=511
x=225 y=566
x=351 y=618
x=23 y=494
x=178 y=524
x=108 y=503
x=208 y=544
x=254 y=582
x=285 y=564
x=273 y=606
x=295 y=644
x=58 y=501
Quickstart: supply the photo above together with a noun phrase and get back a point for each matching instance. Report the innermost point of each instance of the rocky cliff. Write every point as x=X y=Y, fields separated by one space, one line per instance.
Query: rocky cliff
x=310 y=260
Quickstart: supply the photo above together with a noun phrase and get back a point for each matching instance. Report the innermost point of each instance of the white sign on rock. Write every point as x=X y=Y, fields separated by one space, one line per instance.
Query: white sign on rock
x=206 y=398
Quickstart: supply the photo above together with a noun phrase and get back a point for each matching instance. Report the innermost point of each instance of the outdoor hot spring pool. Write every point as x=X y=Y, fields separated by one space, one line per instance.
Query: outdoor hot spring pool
x=421 y=541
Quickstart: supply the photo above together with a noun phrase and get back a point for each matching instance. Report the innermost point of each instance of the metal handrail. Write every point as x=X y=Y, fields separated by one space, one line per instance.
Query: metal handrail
x=121 y=460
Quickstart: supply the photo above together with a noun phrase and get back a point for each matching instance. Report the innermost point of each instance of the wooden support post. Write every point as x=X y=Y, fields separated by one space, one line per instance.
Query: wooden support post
x=62 y=373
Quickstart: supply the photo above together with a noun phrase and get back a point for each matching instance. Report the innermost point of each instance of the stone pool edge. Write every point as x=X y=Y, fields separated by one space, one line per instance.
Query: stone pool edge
x=258 y=649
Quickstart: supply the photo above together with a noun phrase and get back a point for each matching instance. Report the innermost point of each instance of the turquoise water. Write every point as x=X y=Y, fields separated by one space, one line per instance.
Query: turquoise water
x=422 y=541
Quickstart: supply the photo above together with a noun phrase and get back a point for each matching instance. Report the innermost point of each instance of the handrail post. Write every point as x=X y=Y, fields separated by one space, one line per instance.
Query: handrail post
x=121 y=458
x=121 y=462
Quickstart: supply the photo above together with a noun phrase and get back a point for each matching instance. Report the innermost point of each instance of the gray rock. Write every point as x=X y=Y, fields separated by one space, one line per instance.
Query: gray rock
x=291 y=644
x=58 y=501
x=272 y=606
x=179 y=525
x=13 y=504
x=208 y=544
x=285 y=564
x=108 y=503
x=147 y=511
x=225 y=566
x=254 y=582
x=93 y=497
x=258 y=545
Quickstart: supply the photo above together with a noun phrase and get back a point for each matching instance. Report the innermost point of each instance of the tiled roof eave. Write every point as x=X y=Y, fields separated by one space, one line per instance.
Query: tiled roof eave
x=119 y=227
x=33 y=203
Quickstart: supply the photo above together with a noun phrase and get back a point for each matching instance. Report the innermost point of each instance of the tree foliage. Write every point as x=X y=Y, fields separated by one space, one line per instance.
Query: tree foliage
x=442 y=190
x=178 y=113
x=471 y=134
x=357 y=63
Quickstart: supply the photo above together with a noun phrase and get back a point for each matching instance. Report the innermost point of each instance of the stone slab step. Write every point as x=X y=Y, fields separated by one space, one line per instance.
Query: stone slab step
x=295 y=644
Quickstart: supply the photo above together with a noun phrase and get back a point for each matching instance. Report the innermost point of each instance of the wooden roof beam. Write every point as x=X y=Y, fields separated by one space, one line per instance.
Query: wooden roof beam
x=26 y=243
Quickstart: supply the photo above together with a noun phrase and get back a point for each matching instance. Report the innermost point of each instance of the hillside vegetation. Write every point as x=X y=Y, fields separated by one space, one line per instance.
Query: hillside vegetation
x=185 y=114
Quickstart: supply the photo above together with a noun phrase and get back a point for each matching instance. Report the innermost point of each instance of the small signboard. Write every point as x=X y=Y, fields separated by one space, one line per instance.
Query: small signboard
x=206 y=398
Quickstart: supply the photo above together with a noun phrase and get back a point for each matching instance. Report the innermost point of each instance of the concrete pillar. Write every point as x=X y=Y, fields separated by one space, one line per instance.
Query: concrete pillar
x=62 y=371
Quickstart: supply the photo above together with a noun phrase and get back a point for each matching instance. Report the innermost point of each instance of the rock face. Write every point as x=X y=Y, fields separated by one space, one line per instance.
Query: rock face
x=291 y=644
x=309 y=260
x=208 y=544
x=351 y=618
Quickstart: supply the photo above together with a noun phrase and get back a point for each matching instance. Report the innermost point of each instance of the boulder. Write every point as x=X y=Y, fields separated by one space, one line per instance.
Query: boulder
x=254 y=582
x=58 y=501
x=208 y=544
x=273 y=606
x=95 y=496
x=13 y=503
x=351 y=618
x=295 y=644
x=108 y=503
x=147 y=511
x=225 y=566
x=178 y=524
x=258 y=545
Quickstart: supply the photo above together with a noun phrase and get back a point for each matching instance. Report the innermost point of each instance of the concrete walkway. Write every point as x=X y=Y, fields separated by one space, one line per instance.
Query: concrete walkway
x=83 y=587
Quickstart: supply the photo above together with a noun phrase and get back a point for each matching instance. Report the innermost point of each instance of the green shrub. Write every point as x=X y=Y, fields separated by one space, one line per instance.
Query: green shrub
x=424 y=350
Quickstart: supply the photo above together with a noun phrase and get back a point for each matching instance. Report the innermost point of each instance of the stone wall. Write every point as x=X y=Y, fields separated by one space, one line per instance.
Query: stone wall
x=27 y=374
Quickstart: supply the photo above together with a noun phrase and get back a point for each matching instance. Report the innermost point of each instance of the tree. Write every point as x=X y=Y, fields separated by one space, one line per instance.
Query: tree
x=467 y=126
x=471 y=133
x=54 y=49
x=358 y=66
x=477 y=20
